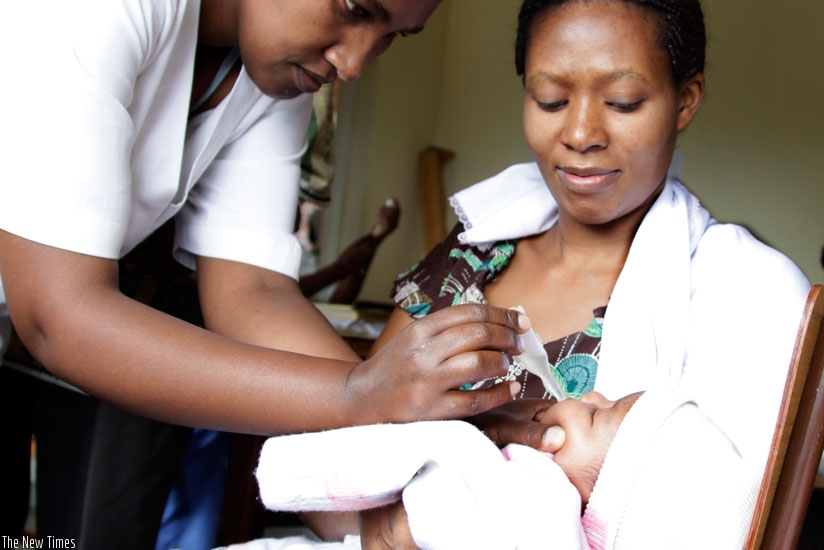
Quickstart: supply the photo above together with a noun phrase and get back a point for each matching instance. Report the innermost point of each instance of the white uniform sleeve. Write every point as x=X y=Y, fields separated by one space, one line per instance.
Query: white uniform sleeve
x=243 y=208
x=67 y=132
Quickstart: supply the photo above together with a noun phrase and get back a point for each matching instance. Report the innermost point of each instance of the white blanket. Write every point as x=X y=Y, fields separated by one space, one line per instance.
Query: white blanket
x=698 y=304
x=458 y=488
x=660 y=486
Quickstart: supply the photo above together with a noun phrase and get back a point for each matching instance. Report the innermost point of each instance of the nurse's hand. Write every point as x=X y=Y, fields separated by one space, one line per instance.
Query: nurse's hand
x=518 y=421
x=417 y=373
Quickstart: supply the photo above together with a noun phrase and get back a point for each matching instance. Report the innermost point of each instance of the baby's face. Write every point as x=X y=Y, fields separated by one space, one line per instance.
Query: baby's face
x=590 y=425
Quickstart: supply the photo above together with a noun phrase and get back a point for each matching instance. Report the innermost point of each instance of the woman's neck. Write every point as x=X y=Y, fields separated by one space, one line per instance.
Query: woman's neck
x=218 y=23
x=580 y=248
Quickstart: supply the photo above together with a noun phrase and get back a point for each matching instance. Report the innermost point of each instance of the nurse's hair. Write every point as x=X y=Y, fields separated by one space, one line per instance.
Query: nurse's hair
x=681 y=24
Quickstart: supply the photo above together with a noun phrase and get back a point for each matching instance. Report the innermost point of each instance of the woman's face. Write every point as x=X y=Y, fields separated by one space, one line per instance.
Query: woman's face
x=601 y=112
x=290 y=47
x=590 y=425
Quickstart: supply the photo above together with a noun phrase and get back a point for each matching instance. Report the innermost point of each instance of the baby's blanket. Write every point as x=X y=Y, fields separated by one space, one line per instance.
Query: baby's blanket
x=458 y=488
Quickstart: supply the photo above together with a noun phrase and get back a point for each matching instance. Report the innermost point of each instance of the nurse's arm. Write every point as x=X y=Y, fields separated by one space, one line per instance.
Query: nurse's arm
x=262 y=307
x=69 y=313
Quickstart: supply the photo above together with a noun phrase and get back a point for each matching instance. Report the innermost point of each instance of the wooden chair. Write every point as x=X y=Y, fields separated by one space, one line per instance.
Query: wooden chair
x=798 y=441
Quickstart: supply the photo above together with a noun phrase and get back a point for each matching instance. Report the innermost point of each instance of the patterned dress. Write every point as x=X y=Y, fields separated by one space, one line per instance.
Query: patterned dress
x=454 y=273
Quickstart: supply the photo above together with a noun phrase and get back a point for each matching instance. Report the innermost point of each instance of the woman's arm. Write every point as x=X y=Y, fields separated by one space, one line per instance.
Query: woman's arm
x=257 y=306
x=237 y=301
x=68 y=311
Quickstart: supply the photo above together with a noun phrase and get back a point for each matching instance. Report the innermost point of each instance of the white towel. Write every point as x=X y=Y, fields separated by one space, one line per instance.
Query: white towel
x=461 y=492
x=458 y=488
x=698 y=304
x=296 y=542
x=512 y=204
x=671 y=479
x=651 y=305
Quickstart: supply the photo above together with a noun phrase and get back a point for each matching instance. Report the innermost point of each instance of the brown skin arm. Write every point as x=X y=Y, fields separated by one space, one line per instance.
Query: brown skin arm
x=254 y=293
x=69 y=313
x=261 y=307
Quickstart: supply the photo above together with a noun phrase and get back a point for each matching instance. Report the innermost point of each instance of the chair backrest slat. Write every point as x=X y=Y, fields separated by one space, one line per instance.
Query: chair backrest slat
x=798 y=440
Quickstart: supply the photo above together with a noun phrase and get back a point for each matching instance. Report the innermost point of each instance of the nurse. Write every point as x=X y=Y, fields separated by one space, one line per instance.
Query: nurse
x=123 y=114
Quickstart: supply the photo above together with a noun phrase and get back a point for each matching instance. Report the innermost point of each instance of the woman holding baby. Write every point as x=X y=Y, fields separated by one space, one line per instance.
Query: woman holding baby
x=634 y=288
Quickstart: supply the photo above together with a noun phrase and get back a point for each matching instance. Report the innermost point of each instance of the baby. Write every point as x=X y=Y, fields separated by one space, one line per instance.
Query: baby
x=461 y=491
x=590 y=425
x=602 y=489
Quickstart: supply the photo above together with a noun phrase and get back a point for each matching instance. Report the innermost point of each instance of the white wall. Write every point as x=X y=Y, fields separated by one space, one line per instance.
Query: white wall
x=754 y=154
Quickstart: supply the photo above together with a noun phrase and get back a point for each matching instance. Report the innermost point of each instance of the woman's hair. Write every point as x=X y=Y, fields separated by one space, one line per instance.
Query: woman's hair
x=681 y=23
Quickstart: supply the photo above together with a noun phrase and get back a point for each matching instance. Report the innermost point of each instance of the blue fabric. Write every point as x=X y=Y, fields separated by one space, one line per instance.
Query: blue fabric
x=193 y=508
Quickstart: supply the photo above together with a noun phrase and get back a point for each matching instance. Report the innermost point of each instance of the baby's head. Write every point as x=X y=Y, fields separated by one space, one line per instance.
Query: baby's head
x=590 y=425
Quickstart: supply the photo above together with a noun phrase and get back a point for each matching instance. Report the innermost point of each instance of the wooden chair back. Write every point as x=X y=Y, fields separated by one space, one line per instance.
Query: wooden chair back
x=431 y=162
x=798 y=441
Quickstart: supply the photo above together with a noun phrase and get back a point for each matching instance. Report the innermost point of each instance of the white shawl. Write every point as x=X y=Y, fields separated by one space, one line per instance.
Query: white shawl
x=701 y=305
x=649 y=308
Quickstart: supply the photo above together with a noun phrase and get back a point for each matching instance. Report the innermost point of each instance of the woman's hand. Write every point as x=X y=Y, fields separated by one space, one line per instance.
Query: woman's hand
x=386 y=528
x=416 y=375
x=518 y=421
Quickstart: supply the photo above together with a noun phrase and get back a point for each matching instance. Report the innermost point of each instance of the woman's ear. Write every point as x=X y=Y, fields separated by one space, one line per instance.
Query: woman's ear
x=689 y=99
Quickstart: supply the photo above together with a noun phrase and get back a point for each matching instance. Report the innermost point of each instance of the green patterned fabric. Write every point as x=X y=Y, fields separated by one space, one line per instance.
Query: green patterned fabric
x=454 y=273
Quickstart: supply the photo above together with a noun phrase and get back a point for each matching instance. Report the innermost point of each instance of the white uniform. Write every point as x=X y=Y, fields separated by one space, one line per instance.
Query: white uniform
x=98 y=150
